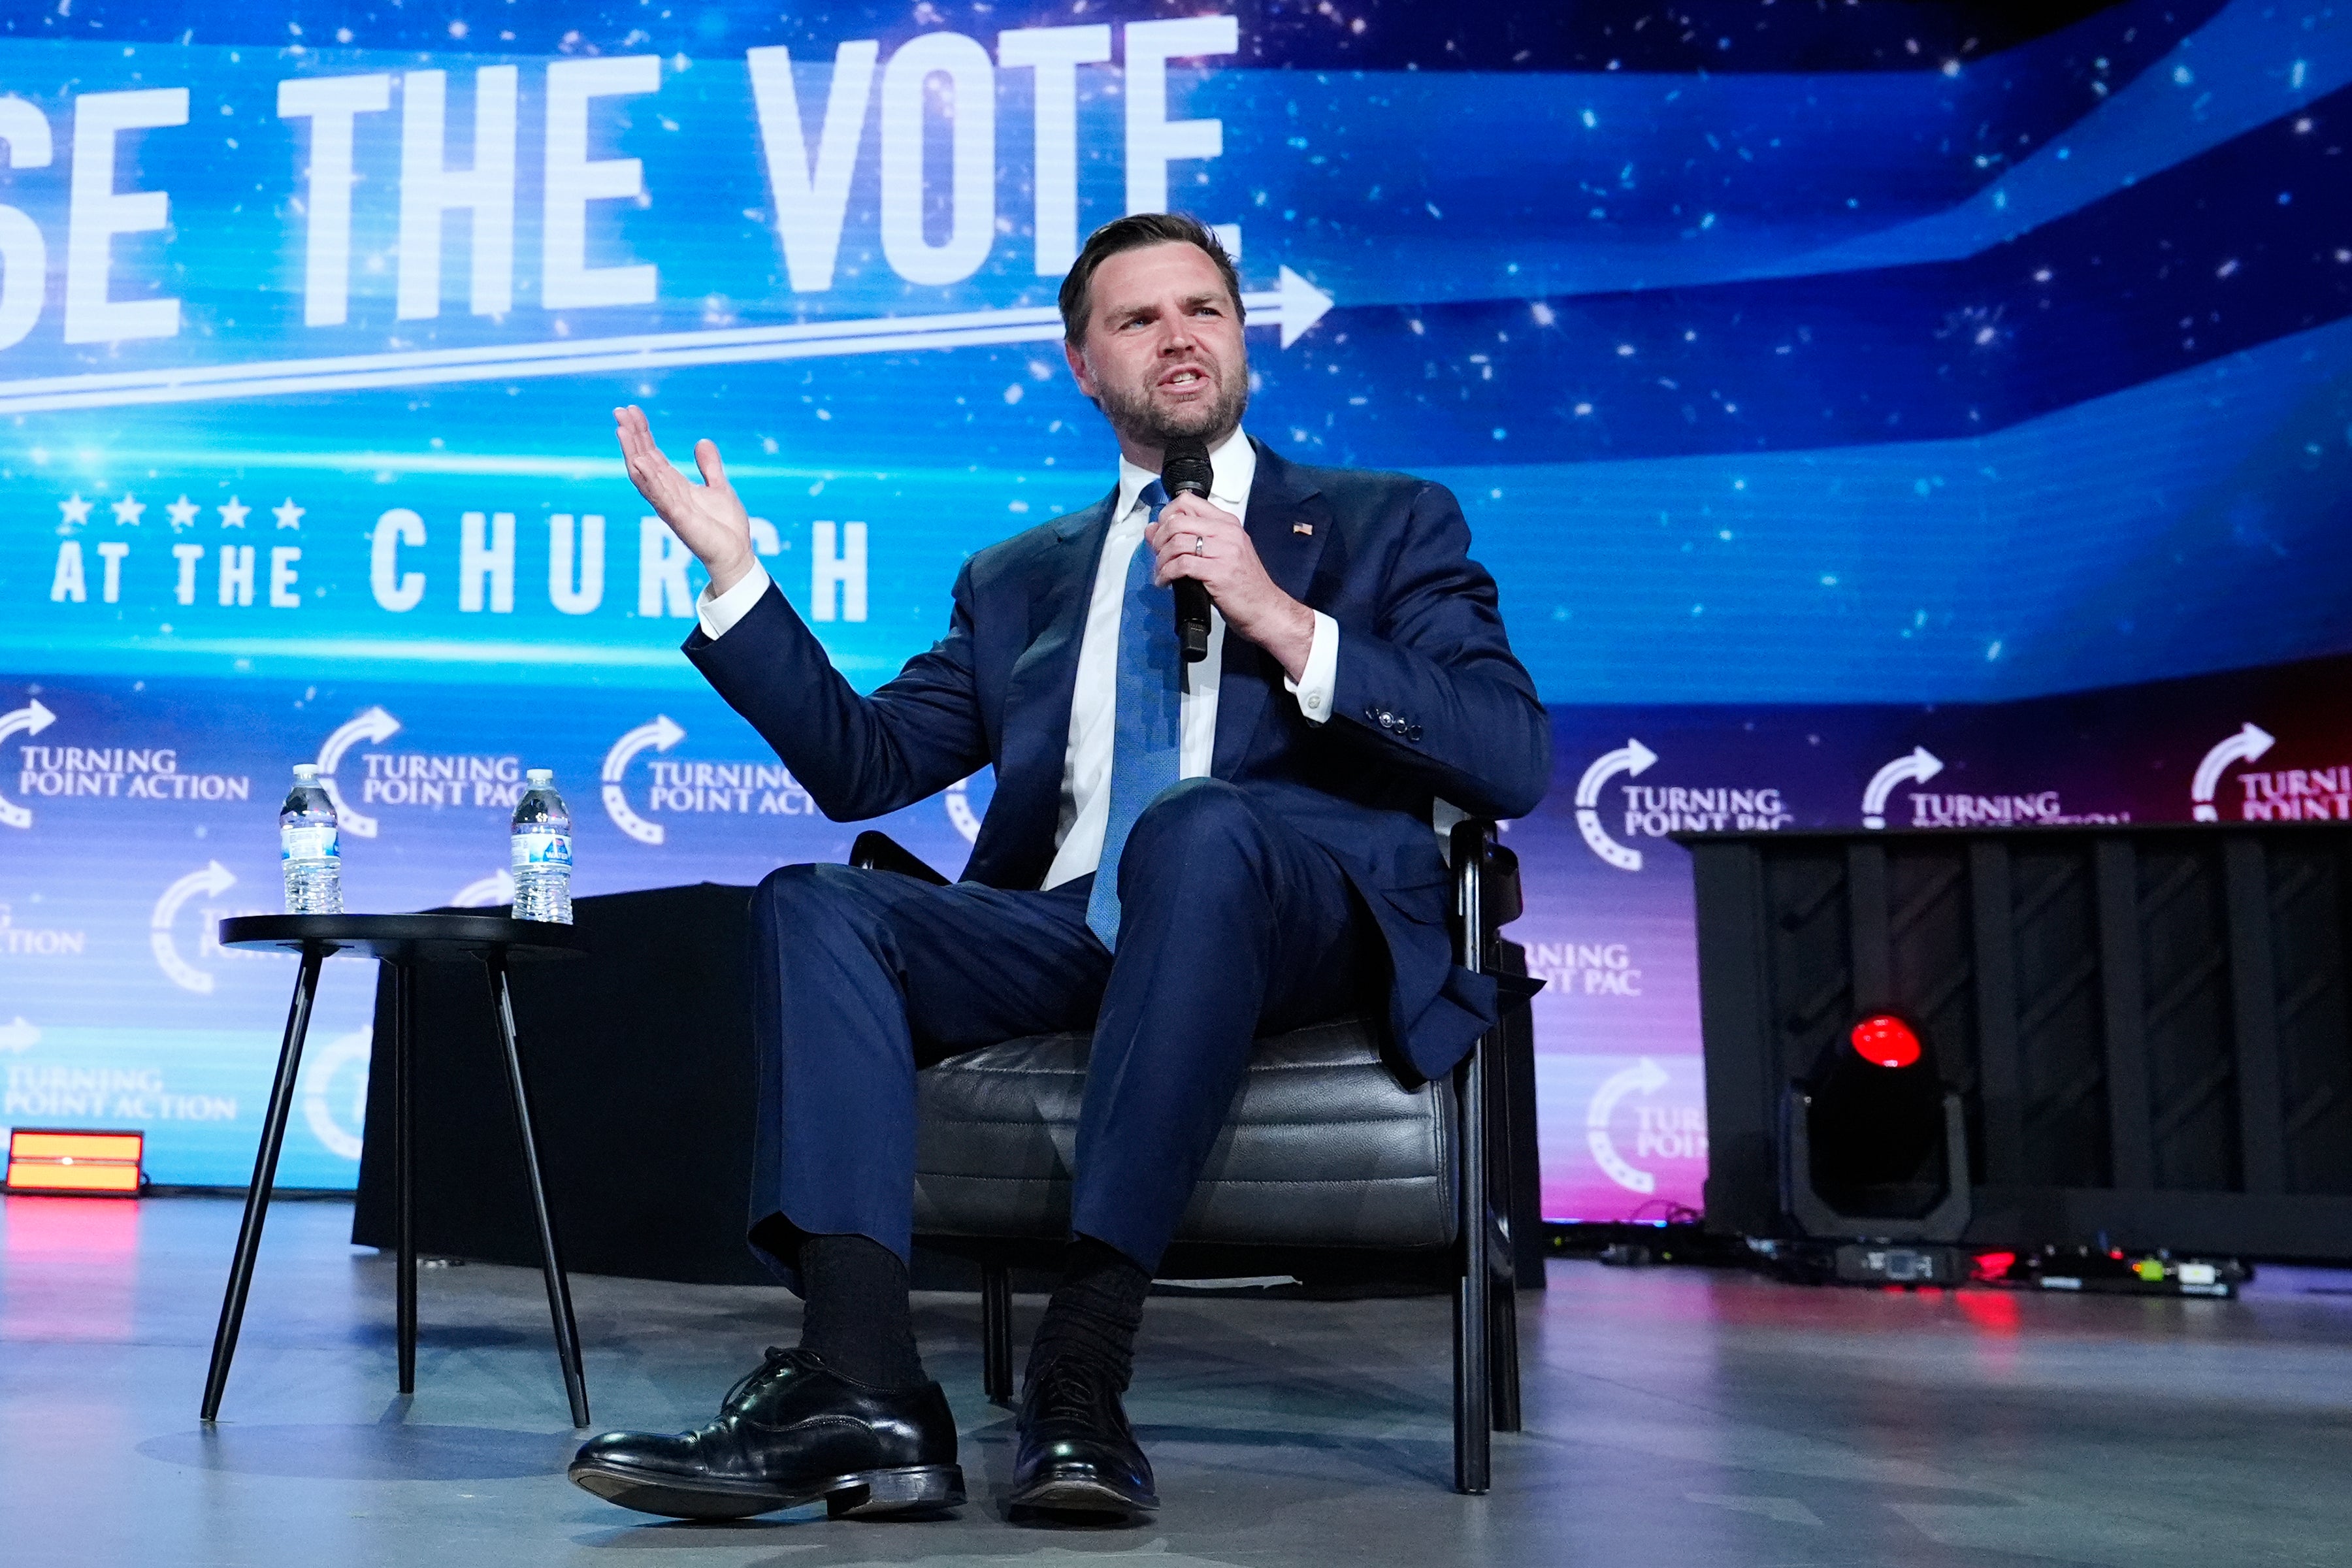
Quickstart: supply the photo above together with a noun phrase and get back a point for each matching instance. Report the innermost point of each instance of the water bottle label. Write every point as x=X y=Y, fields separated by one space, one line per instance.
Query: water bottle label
x=312 y=843
x=535 y=849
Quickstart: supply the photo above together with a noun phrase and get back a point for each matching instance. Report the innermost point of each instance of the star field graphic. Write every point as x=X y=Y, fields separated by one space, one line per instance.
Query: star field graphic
x=1820 y=384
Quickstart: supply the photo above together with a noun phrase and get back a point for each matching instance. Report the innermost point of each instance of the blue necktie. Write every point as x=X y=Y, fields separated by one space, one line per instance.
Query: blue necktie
x=1147 y=724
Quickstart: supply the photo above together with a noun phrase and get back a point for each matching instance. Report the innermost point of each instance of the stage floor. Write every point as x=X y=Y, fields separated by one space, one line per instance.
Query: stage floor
x=1674 y=1417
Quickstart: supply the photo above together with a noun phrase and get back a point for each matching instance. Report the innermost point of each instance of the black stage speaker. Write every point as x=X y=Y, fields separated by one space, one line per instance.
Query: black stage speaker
x=2147 y=1028
x=642 y=1081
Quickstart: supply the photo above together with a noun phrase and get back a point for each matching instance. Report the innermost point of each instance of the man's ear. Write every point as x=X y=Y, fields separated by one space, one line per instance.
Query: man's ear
x=1078 y=371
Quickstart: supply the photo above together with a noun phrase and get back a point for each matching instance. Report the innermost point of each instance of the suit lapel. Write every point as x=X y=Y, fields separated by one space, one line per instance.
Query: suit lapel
x=1038 y=691
x=1289 y=525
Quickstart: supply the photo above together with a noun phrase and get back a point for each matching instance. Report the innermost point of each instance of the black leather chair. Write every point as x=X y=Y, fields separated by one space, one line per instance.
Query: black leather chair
x=1328 y=1157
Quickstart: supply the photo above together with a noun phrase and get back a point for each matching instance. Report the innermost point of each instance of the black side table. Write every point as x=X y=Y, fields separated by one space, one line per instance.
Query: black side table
x=401 y=942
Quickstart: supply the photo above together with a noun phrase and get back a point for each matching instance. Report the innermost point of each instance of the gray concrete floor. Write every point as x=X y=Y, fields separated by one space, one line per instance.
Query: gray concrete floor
x=1675 y=1416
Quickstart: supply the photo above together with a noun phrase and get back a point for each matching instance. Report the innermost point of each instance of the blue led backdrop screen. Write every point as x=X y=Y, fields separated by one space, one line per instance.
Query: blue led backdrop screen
x=1831 y=390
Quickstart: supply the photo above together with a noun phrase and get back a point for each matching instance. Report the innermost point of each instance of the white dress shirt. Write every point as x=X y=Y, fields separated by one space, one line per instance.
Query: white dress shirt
x=1086 y=762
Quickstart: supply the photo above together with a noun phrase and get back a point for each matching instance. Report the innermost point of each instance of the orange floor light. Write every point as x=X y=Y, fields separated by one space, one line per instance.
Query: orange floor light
x=57 y=1160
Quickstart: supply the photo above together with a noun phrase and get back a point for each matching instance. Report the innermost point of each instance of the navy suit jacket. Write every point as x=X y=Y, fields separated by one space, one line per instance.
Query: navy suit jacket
x=1427 y=702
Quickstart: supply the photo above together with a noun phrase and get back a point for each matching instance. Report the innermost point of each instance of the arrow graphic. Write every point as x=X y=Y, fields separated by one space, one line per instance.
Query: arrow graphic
x=374 y=726
x=1645 y=1077
x=1920 y=766
x=1632 y=759
x=2245 y=746
x=214 y=878
x=1293 y=304
x=1297 y=305
x=336 y=1132
x=661 y=735
x=498 y=888
x=30 y=720
x=959 y=812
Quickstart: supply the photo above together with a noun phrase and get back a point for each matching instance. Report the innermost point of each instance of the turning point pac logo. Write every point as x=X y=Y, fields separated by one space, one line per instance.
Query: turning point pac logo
x=1669 y=1128
x=1632 y=759
x=1654 y=811
x=376 y=726
x=2248 y=745
x=211 y=879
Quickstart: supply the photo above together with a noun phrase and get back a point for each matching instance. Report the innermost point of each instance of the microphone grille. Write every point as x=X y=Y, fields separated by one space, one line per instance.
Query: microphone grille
x=1184 y=468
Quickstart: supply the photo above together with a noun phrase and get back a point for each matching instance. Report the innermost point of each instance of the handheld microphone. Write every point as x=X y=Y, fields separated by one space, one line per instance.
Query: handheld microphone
x=1185 y=470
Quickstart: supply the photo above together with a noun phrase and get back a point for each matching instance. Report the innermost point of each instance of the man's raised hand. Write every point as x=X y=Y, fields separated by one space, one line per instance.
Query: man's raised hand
x=707 y=518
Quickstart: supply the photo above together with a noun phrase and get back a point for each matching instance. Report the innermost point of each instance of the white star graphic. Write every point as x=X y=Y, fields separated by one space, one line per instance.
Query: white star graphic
x=233 y=515
x=127 y=511
x=76 y=508
x=184 y=513
x=287 y=516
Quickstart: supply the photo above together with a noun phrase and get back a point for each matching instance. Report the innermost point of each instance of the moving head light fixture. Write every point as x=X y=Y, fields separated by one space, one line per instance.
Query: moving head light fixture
x=1873 y=1147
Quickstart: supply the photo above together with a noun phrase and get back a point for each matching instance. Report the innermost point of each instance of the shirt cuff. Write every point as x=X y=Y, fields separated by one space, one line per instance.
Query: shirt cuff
x=719 y=614
x=1313 y=687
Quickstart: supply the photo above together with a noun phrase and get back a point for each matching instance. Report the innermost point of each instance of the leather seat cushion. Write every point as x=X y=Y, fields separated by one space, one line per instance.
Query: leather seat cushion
x=1324 y=1147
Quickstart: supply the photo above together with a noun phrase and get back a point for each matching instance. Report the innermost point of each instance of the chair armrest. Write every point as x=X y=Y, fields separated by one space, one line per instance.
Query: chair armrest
x=1468 y=847
x=1486 y=899
x=876 y=851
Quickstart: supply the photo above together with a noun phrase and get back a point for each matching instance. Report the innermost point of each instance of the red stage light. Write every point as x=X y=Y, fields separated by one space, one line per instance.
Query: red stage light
x=1886 y=1040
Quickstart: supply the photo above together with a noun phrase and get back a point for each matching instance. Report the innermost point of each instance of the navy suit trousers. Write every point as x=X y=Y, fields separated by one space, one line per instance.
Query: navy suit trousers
x=1232 y=925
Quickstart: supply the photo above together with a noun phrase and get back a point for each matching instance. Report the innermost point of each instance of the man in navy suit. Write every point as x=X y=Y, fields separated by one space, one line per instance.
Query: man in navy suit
x=1177 y=857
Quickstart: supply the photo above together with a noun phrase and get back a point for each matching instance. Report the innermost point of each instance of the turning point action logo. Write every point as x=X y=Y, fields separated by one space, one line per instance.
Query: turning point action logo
x=1920 y=766
x=30 y=720
x=661 y=735
x=723 y=789
x=2041 y=807
x=694 y=789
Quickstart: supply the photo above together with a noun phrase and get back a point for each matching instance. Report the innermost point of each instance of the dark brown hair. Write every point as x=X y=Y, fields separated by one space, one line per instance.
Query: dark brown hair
x=1134 y=232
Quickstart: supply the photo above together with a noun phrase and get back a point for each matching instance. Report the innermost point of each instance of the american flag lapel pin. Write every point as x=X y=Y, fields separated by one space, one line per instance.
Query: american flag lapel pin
x=1306 y=528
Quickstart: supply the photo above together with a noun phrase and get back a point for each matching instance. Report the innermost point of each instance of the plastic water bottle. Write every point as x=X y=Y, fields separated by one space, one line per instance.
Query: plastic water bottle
x=543 y=852
x=308 y=847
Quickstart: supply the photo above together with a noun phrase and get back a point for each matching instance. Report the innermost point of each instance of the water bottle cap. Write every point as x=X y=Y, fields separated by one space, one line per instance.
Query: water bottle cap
x=306 y=770
x=540 y=775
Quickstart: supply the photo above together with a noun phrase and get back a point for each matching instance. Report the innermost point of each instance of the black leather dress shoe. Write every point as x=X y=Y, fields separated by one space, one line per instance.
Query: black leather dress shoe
x=1075 y=1453
x=791 y=1433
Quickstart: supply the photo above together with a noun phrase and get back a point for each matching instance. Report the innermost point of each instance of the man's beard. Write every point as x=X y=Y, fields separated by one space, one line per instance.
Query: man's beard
x=1134 y=415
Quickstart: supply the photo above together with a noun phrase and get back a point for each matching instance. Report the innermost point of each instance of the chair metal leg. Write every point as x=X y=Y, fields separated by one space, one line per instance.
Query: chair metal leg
x=1473 y=1418
x=264 y=1176
x=1503 y=1353
x=558 y=1292
x=1503 y=1334
x=997 y=1331
x=404 y=1164
x=1472 y=1373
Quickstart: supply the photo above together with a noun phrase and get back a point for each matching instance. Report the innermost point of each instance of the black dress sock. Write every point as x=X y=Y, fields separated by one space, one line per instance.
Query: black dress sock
x=1093 y=1312
x=854 y=1313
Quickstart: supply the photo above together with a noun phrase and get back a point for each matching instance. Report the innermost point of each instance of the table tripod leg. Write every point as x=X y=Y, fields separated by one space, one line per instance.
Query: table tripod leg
x=265 y=1174
x=559 y=1293
x=404 y=1162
